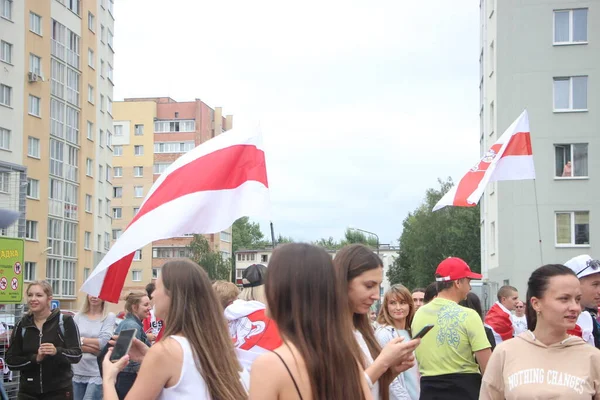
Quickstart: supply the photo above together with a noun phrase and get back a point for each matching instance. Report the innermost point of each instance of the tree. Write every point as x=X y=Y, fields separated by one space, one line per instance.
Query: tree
x=213 y=262
x=330 y=243
x=428 y=237
x=352 y=236
x=246 y=235
x=284 y=239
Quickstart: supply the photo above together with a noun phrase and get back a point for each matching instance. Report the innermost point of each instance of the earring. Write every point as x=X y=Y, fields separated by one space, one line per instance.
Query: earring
x=539 y=313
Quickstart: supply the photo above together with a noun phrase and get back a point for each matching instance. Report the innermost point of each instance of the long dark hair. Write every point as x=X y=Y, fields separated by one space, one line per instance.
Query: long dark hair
x=537 y=286
x=196 y=313
x=350 y=262
x=304 y=300
x=473 y=302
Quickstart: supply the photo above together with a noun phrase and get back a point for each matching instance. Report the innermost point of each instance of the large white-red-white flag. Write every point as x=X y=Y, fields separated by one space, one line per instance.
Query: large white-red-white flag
x=509 y=159
x=204 y=191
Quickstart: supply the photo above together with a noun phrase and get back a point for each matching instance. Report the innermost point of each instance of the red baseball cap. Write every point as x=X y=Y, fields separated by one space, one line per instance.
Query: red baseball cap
x=453 y=269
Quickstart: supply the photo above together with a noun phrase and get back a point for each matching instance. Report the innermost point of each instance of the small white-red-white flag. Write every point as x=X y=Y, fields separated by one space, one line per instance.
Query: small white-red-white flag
x=204 y=191
x=509 y=159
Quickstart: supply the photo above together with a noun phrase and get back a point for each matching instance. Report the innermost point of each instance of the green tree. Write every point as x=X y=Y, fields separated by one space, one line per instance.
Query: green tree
x=428 y=237
x=212 y=261
x=352 y=236
x=284 y=239
x=329 y=243
x=247 y=235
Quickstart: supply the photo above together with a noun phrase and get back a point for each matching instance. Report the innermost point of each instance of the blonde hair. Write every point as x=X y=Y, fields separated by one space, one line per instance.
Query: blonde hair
x=45 y=285
x=256 y=293
x=85 y=307
x=227 y=292
x=400 y=293
x=133 y=299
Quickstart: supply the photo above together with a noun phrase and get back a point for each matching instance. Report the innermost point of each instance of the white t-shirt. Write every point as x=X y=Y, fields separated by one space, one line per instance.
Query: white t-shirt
x=369 y=360
x=519 y=323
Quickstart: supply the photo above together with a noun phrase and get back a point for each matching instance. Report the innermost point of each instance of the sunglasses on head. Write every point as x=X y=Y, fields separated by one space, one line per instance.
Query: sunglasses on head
x=593 y=264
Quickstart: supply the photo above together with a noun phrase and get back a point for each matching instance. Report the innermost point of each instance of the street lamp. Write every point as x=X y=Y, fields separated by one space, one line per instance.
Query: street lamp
x=370 y=233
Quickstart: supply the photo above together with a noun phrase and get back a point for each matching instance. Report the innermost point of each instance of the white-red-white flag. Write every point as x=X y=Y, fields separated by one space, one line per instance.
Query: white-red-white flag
x=509 y=159
x=203 y=191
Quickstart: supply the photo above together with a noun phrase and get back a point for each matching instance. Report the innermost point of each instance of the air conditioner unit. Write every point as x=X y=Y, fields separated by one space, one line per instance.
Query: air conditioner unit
x=33 y=77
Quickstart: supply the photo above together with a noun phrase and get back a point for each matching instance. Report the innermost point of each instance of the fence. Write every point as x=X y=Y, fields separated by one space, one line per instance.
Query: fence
x=10 y=314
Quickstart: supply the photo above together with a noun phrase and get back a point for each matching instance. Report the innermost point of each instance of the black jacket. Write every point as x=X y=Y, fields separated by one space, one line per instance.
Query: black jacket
x=54 y=372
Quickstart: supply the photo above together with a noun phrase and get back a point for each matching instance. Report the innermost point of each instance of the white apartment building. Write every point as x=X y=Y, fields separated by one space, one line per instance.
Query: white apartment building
x=541 y=56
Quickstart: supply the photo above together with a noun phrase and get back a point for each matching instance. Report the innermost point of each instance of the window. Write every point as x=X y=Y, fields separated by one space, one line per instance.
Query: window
x=61 y=276
x=100 y=173
x=108 y=173
x=86 y=274
x=159 y=168
x=35 y=23
x=570 y=93
x=29 y=272
x=31 y=230
x=5 y=95
x=34 y=105
x=90 y=130
x=118 y=172
x=117 y=212
x=103 y=4
x=137 y=256
x=111 y=7
x=118 y=130
x=108 y=208
x=4 y=139
x=6 y=52
x=108 y=138
x=109 y=72
x=493 y=238
x=491 y=118
x=239 y=273
x=110 y=39
x=33 y=188
x=106 y=241
x=138 y=191
x=6 y=9
x=102 y=33
x=73 y=78
x=4 y=179
x=570 y=26
x=571 y=160
x=139 y=130
x=136 y=275
x=101 y=135
x=117 y=192
x=135 y=211
x=101 y=68
x=33 y=147
x=88 y=203
x=91 y=94
x=99 y=213
x=102 y=102
x=226 y=236
x=99 y=242
x=35 y=64
x=91 y=58
x=118 y=150
x=175 y=126
x=116 y=233
x=73 y=5
x=87 y=238
x=138 y=172
x=155 y=273
x=264 y=258
x=91 y=22
x=492 y=58
x=138 y=150
x=173 y=147
x=109 y=105
x=89 y=166
x=573 y=228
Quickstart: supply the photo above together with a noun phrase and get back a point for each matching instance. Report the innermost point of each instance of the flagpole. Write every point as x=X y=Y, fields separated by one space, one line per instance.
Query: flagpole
x=537 y=210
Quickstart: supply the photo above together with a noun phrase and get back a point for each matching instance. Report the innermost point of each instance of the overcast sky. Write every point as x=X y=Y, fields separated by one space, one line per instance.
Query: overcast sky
x=362 y=104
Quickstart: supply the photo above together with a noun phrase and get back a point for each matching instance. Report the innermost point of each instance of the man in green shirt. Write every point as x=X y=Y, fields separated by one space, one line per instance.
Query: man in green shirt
x=454 y=354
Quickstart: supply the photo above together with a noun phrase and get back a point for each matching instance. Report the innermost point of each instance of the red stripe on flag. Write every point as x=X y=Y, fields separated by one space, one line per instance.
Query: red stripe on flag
x=519 y=145
x=227 y=168
x=470 y=181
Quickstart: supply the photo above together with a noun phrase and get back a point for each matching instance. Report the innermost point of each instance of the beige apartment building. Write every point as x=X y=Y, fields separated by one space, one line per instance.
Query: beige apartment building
x=52 y=93
x=149 y=134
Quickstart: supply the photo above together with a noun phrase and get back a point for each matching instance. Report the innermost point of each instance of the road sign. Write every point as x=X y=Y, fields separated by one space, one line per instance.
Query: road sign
x=54 y=304
x=11 y=266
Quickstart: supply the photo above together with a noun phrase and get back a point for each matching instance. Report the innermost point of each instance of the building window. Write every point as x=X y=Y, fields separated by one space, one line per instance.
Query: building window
x=29 y=272
x=117 y=212
x=6 y=9
x=138 y=172
x=33 y=147
x=118 y=172
x=4 y=139
x=34 y=105
x=173 y=147
x=91 y=94
x=101 y=68
x=117 y=150
x=6 y=52
x=155 y=273
x=31 y=230
x=138 y=255
x=570 y=26
x=89 y=166
x=136 y=275
x=88 y=203
x=100 y=173
x=108 y=138
x=33 y=188
x=118 y=130
x=139 y=130
x=61 y=276
x=138 y=191
x=98 y=242
x=90 y=130
x=573 y=228
x=138 y=150
x=239 y=273
x=102 y=102
x=226 y=236
x=110 y=38
x=175 y=126
x=491 y=118
x=4 y=179
x=117 y=192
x=91 y=58
x=35 y=64
x=492 y=58
x=159 y=168
x=91 y=22
x=135 y=211
x=571 y=160
x=87 y=238
x=116 y=233
x=264 y=258
x=5 y=95
x=35 y=23
x=86 y=274
x=570 y=93
x=101 y=135
x=109 y=72
x=109 y=105
x=106 y=241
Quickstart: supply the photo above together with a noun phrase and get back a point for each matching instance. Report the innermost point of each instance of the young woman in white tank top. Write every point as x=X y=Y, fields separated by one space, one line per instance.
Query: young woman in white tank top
x=196 y=358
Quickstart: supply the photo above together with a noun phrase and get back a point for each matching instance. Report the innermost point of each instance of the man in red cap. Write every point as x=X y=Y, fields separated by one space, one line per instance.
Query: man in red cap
x=455 y=352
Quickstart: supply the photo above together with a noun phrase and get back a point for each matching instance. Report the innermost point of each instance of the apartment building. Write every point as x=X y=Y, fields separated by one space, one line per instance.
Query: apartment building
x=53 y=95
x=541 y=56
x=149 y=134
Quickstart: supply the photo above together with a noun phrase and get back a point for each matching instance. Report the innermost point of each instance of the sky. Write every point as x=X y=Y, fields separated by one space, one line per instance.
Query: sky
x=363 y=105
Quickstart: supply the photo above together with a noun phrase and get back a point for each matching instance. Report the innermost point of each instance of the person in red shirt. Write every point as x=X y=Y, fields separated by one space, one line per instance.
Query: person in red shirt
x=499 y=316
x=152 y=326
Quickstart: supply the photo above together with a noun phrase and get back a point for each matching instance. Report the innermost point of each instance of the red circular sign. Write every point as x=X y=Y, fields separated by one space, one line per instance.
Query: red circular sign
x=14 y=284
x=17 y=268
x=3 y=283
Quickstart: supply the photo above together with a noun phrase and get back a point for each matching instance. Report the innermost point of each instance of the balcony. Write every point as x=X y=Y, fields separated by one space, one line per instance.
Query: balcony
x=58 y=50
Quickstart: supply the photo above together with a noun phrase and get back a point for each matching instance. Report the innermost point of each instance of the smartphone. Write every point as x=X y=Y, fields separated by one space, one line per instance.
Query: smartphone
x=423 y=331
x=123 y=344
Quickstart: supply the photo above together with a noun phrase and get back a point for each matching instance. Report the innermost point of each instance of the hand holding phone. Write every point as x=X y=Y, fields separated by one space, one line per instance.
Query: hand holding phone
x=424 y=331
x=123 y=344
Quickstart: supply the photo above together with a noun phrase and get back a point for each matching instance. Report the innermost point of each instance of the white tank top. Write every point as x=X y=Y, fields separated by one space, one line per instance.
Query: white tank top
x=191 y=384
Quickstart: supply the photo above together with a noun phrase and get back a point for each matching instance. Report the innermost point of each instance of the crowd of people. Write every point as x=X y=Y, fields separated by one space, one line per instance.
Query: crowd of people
x=306 y=328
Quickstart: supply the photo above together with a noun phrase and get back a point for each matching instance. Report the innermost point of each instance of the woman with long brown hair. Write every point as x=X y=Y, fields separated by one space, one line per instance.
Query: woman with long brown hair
x=360 y=273
x=319 y=358
x=395 y=319
x=195 y=359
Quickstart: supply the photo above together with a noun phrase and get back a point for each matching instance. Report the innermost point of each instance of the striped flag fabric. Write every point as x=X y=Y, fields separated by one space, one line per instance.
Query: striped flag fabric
x=204 y=191
x=509 y=159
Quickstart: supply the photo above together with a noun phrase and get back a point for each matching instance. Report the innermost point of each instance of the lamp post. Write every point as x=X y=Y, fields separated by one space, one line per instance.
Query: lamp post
x=370 y=233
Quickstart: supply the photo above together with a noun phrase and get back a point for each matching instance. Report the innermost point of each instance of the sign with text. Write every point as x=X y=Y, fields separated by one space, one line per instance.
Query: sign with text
x=11 y=270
